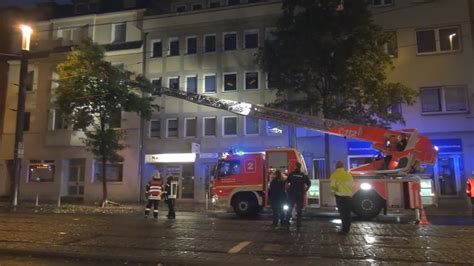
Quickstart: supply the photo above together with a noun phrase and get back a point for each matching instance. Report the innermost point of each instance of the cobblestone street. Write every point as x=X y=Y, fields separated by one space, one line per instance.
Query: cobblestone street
x=197 y=238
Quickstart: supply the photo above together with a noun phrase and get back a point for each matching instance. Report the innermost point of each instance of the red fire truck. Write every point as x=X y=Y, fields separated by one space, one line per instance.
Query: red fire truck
x=390 y=182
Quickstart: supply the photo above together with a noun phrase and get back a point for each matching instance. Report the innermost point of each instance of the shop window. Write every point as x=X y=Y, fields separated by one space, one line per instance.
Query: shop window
x=41 y=171
x=114 y=172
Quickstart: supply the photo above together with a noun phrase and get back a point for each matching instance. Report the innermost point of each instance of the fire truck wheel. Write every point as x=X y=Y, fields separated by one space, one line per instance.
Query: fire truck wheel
x=244 y=204
x=367 y=205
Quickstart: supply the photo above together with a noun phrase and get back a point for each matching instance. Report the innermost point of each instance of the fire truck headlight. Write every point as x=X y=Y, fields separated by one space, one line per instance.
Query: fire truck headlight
x=365 y=186
x=286 y=207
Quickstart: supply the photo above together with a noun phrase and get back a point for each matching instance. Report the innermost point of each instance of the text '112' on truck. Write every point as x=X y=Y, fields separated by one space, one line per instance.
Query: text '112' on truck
x=391 y=183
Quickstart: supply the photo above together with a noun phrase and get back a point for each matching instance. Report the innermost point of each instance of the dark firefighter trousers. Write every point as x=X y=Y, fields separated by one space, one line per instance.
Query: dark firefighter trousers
x=171 y=213
x=155 y=207
x=344 y=206
x=298 y=200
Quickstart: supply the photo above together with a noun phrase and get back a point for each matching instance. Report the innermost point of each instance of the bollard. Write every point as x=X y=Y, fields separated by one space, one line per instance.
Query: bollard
x=37 y=199
x=59 y=201
x=207 y=201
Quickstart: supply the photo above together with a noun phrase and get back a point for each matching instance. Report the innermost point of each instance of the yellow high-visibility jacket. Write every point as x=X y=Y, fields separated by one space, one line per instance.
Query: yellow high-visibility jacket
x=341 y=182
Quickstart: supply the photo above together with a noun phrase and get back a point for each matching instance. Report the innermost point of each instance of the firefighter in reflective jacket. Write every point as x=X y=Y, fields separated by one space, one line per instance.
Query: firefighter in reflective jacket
x=341 y=186
x=153 y=194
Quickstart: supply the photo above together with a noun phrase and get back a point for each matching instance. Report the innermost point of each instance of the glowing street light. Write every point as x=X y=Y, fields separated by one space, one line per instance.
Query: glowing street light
x=20 y=110
x=26 y=32
x=451 y=36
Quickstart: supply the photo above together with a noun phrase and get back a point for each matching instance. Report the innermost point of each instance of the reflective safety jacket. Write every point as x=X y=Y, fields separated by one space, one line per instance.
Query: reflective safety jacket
x=154 y=189
x=342 y=182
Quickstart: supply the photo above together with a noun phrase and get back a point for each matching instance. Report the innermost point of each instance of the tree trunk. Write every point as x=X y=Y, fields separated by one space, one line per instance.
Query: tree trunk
x=327 y=155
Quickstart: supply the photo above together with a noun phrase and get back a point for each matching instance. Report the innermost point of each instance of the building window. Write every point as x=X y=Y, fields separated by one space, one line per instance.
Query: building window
x=191 y=84
x=41 y=171
x=251 y=39
x=172 y=128
x=156 y=83
x=67 y=36
x=155 y=129
x=229 y=126
x=157 y=47
x=181 y=8
x=30 y=78
x=190 y=127
x=391 y=47
x=197 y=6
x=233 y=2
x=251 y=126
x=26 y=121
x=119 y=32
x=230 y=41
x=114 y=172
x=173 y=46
x=448 y=99
x=209 y=43
x=173 y=83
x=214 y=3
x=58 y=120
x=210 y=83
x=230 y=81
x=274 y=128
x=438 y=40
x=191 y=45
x=379 y=3
x=251 y=80
x=209 y=126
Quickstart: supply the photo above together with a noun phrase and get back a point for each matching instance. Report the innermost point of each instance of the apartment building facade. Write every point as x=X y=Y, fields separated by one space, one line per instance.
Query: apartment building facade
x=209 y=47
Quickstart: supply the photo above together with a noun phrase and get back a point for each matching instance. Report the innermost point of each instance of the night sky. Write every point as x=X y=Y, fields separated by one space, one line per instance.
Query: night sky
x=27 y=3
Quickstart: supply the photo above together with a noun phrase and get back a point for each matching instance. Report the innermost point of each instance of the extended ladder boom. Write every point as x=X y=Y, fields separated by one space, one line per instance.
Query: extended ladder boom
x=422 y=148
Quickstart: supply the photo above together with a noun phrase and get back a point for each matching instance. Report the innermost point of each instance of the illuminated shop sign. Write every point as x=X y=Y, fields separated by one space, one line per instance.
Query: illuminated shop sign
x=170 y=158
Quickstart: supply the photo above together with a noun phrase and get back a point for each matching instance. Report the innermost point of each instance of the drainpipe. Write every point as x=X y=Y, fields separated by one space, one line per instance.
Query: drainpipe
x=142 y=123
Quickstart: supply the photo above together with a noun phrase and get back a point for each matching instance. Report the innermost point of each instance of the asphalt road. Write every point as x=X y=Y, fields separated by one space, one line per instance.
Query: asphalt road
x=218 y=239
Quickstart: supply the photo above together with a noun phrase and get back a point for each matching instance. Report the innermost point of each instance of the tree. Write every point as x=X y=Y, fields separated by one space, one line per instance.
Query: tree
x=329 y=61
x=91 y=93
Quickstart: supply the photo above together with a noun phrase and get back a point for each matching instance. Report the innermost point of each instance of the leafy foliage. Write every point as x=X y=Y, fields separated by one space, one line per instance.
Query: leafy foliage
x=91 y=92
x=330 y=62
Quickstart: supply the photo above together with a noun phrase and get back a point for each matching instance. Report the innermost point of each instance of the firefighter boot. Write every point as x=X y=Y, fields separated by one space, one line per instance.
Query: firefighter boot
x=155 y=214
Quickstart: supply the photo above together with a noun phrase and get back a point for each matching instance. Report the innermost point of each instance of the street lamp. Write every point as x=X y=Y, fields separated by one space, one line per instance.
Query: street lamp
x=451 y=36
x=20 y=110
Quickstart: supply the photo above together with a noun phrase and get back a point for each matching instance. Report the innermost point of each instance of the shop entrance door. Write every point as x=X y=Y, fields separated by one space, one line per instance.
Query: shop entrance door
x=448 y=175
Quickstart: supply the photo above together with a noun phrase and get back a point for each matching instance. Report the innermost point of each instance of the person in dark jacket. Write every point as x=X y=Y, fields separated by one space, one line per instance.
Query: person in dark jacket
x=169 y=198
x=297 y=185
x=278 y=198
x=153 y=195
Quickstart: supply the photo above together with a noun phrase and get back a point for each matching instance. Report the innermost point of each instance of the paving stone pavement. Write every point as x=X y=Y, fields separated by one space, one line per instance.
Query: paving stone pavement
x=205 y=239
